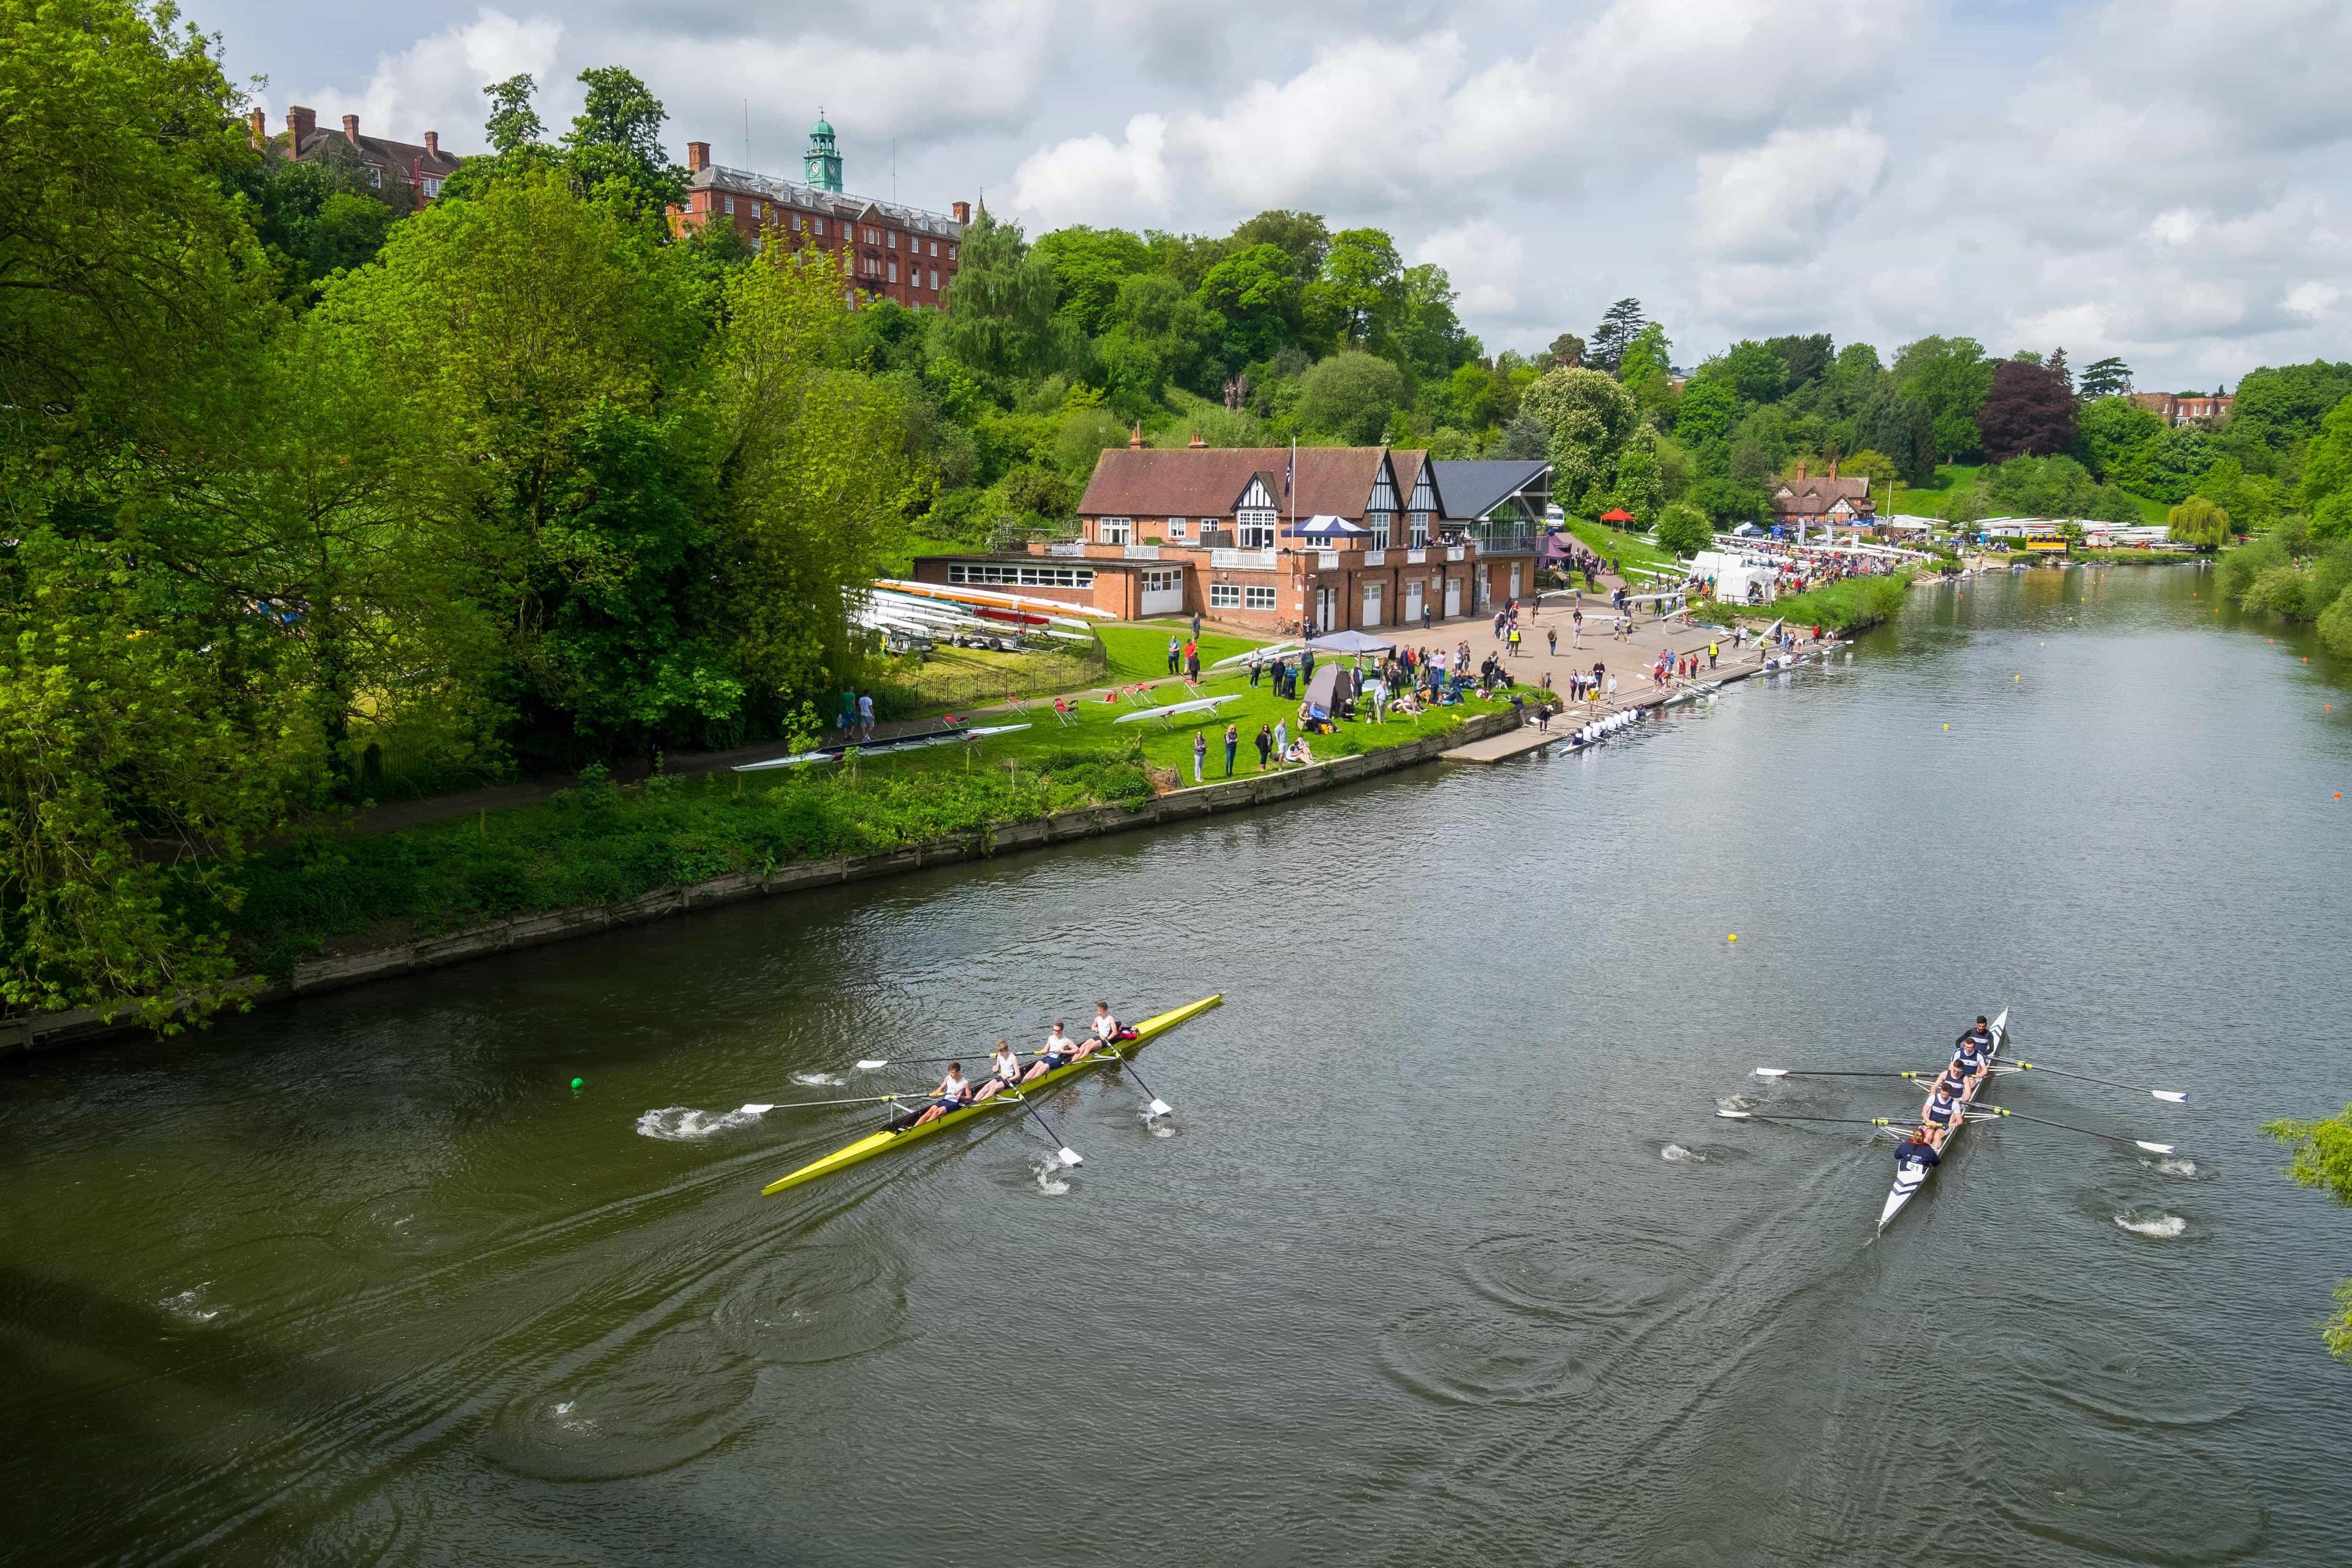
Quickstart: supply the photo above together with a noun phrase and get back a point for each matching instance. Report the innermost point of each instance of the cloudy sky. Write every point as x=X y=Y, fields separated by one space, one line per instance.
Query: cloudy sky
x=2167 y=180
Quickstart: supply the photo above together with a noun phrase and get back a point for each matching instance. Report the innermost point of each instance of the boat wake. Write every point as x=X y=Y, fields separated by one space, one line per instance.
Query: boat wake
x=188 y=1306
x=679 y=1124
x=1681 y=1157
x=821 y=1079
x=2172 y=1167
x=2159 y=1226
x=1733 y=1102
x=1051 y=1179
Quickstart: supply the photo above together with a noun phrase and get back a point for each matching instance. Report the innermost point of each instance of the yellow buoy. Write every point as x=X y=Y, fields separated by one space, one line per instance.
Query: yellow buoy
x=1733 y=937
x=1947 y=726
x=2020 y=677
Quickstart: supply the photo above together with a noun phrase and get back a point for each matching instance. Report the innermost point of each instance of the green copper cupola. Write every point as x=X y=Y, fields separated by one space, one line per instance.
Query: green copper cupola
x=821 y=167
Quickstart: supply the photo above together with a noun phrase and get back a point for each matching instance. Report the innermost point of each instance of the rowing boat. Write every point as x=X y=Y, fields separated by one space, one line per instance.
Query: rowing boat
x=1912 y=1175
x=883 y=1142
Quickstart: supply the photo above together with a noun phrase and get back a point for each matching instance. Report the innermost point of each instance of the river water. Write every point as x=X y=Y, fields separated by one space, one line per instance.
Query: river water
x=1444 y=1257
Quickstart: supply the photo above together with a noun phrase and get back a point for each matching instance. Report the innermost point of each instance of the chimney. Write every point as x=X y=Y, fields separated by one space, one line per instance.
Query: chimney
x=1834 y=463
x=697 y=157
x=299 y=123
x=1196 y=441
x=1800 y=467
x=432 y=143
x=260 y=124
x=351 y=128
x=1135 y=438
x=962 y=211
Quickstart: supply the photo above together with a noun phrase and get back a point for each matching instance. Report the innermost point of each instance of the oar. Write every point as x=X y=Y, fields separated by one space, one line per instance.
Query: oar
x=2070 y=1126
x=1158 y=1107
x=2177 y=1097
x=861 y=1100
x=1776 y=1116
x=1061 y=1152
x=1838 y=1072
x=873 y=1064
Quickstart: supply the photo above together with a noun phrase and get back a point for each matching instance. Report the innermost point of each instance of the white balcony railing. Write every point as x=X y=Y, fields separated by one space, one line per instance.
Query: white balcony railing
x=1415 y=557
x=1142 y=552
x=1373 y=558
x=1241 y=560
x=1067 y=547
x=1456 y=553
x=1328 y=561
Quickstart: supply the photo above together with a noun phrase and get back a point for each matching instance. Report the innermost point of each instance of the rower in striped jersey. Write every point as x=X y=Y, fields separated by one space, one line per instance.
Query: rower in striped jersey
x=1945 y=1109
x=1972 y=1052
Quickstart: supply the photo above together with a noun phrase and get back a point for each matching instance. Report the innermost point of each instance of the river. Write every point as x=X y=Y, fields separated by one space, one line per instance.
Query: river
x=1444 y=1257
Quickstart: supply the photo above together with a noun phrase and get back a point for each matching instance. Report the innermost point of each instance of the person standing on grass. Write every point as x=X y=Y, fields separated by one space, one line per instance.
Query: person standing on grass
x=1192 y=662
x=1281 y=738
x=1175 y=650
x=1196 y=625
x=1232 y=744
x=1264 y=746
x=1253 y=666
x=1200 y=752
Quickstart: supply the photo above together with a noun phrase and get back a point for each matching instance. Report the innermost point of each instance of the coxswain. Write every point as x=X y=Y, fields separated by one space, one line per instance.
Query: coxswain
x=1918 y=1149
x=1059 y=1051
x=1005 y=1070
x=953 y=1093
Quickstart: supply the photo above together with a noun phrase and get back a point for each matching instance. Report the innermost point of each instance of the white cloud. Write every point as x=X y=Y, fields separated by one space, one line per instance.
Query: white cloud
x=1488 y=264
x=436 y=84
x=1093 y=180
x=1790 y=196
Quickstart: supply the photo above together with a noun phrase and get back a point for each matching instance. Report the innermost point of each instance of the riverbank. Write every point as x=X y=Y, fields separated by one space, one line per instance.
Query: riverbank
x=1848 y=605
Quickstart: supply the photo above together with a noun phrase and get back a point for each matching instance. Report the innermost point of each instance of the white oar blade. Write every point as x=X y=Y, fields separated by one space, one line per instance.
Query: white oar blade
x=1158 y=1108
x=2153 y=1148
x=1771 y=1072
x=870 y=1065
x=2177 y=1097
x=1737 y=1115
x=1070 y=1157
x=757 y=1110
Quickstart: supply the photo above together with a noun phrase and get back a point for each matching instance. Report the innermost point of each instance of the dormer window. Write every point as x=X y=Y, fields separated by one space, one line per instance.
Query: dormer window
x=1380 y=525
x=1114 y=531
x=1255 y=528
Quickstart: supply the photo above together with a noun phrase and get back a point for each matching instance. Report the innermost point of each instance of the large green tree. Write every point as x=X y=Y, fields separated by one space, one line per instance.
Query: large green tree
x=615 y=148
x=1350 y=395
x=1588 y=418
x=1949 y=377
x=1362 y=291
x=1000 y=308
x=1255 y=292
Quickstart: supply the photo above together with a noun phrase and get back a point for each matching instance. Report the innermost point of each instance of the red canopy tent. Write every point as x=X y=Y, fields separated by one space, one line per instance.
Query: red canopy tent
x=1617 y=514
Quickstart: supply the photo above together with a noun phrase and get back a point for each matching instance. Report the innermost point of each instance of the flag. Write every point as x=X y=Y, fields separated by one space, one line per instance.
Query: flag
x=1289 y=471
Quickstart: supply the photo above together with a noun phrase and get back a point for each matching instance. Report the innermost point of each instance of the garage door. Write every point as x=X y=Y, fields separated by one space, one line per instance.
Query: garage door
x=1163 y=591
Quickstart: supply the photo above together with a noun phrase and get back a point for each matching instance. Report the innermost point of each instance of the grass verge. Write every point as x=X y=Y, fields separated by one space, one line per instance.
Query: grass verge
x=1850 y=605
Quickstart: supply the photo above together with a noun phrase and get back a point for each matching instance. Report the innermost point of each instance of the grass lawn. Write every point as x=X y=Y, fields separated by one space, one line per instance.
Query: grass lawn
x=602 y=843
x=917 y=544
x=1609 y=543
x=1929 y=500
x=1137 y=650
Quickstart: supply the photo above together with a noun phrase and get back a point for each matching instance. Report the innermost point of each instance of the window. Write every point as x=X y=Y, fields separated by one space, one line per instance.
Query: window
x=1420 y=535
x=796 y=223
x=1175 y=528
x=758 y=210
x=1022 y=576
x=1256 y=529
x=432 y=186
x=1257 y=598
x=894 y=239
x=935 y=277
x=1114 y=531
x=1224 y=596
x=951 y=253
x=759 y=243
x=935 y=248
x=731 y=205
x=820 y=226
x=1162 y=579
x=1379 y=521
x=375 y=176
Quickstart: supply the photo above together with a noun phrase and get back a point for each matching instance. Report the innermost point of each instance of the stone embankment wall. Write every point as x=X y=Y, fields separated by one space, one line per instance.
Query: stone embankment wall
x=327 y=973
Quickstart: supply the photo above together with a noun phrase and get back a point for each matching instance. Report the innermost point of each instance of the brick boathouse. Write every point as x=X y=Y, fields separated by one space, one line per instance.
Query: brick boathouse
x=1213 y=531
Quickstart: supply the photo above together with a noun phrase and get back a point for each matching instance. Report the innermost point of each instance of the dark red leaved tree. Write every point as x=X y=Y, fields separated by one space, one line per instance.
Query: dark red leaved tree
x=2030 y=412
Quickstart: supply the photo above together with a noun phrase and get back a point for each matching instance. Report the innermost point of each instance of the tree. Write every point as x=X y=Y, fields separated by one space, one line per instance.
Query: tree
x=2322 y=1160
x=2111 y=428
x=2284 y=405
x=2167 y=465
x=1647 y=360
x=1708 y=409
x=1686 y=530
x=2028 y=410
x=1808 y=358
x=2108 y=377
x=1588 y=419
x=1729 y=502
x=2251 y=500
x=1300 y=237
x=1950 y=378
x=1567 y=352
x=2200 y=522
x=2326 y=488
x=1902 y=429
x=1088 y=265
x=1361 y=289
x=2057 y=366
x=615 y=148
x=999 y=310
x=1754 y=372
x=1428 y=333
x=1524 y=438
x=1256 y=294
x=513 y=123
x=1615 y=334
x=1350 y=395
x=1869 y=464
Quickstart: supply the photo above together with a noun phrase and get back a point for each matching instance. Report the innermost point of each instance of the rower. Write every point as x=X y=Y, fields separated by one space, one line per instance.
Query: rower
x=1107 y=1029
x=1918 y=1149
x=1005 y=1070
x=1059 y=1052
x=1943 y=1111
x=953 y=1094
x=1970 y=1053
